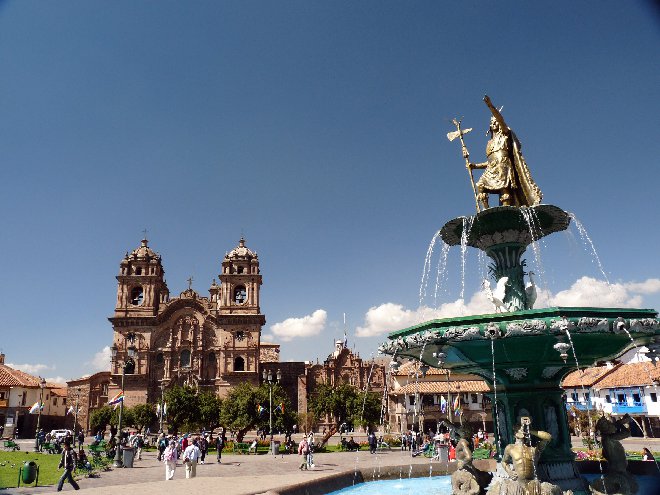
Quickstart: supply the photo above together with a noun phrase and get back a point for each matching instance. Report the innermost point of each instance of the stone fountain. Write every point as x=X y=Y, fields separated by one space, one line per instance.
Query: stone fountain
x=523 y=353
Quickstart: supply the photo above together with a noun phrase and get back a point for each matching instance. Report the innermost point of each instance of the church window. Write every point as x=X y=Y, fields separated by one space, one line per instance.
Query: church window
x=239 y=364
x=137 y=296
x=211 y=358
x=240 y=335
x=240 y=294
x=240 y=269
x=160 y=359
x=138 y=270
x=185 y=358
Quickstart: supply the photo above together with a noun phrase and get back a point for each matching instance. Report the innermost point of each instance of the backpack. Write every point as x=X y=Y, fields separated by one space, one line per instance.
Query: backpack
x=169 y=456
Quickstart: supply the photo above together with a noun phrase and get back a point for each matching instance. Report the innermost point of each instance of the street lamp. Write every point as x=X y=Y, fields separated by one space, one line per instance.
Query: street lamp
x=268 y=378
x=75 y=417
x=162 y=404
x=131 y=354
x=42 y=384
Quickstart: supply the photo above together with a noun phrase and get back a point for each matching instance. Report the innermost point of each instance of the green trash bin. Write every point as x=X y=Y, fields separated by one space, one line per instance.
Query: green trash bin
x=29 y=472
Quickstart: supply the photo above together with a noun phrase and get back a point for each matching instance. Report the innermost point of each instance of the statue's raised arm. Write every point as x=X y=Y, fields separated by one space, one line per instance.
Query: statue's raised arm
x=496 y=114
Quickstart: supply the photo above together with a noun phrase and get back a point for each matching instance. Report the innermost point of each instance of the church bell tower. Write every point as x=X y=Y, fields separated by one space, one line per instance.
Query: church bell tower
x=141 y=287
x=240 y=282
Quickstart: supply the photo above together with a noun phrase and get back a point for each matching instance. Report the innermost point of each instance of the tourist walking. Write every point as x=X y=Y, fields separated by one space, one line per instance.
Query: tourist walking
x=190 y=457
x=203 y=448
x=372 y=442
x=220 y=441
x=303 y=450
x=68 y=462
x=170 y=455
x=162 y=445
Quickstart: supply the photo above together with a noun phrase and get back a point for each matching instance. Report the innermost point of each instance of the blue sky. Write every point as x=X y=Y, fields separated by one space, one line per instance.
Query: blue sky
x=317 y=130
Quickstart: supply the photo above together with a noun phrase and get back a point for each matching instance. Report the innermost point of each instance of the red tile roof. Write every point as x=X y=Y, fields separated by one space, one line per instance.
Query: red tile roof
x=440 y=387
x=587 y=377
x=410 y=367
x=10 y=377
x=628 y=375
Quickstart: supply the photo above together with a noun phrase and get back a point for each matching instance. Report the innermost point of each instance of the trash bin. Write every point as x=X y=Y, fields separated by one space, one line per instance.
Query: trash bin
x=29 y=472
x=276 y=447
x=128 y=454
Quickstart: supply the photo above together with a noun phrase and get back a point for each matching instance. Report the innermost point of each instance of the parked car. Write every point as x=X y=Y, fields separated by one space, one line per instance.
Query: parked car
x=60 y=434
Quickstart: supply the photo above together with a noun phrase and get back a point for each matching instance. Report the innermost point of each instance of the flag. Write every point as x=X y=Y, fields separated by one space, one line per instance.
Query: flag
x=116 y=399
x=260 y=409
x=36 y=407
x=443 y=404
x=457 y=405
x=157 y=409
x=71 y=410
x=164 y=408
x=280 y=408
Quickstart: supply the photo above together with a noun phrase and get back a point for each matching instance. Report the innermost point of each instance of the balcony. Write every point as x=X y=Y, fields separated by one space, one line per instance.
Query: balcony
x=625 y=408
x=580 y=406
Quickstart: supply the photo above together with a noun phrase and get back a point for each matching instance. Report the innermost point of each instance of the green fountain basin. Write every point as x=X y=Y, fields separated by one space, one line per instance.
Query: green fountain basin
x=524 y=342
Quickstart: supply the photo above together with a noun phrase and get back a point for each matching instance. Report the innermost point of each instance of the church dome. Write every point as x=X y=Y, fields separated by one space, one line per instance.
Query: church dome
x=240 y=252
x=144 y=252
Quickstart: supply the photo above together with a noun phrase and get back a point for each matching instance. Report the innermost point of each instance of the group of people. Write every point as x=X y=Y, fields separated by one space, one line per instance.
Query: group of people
x=190 y=449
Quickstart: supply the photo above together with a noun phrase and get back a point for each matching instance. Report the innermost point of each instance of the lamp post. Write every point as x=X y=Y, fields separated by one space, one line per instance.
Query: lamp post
x=162 y=404
x=131 y=354
x=75 y=417
x=42 y=384
x=268 y=378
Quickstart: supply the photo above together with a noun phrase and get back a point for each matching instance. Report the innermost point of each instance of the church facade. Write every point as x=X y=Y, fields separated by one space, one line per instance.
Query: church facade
x=208 y=342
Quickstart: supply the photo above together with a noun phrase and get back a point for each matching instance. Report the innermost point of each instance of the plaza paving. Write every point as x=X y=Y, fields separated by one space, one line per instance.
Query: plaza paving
x=254 y=474
x=239 y=474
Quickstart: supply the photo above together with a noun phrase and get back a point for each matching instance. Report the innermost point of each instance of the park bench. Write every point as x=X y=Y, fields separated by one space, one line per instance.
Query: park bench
x=11 y=445
x=242 y=448
x=98 y=448
x=50 y=448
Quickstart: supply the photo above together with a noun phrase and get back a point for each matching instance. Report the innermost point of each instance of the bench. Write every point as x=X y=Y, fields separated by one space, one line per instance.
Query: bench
x=51 y=448
x=242 y=448
x=11 y=445
x=98 y=448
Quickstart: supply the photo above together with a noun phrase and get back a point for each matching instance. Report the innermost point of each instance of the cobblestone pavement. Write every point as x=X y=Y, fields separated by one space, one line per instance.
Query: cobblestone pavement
x=250 y=474
x=237 y=474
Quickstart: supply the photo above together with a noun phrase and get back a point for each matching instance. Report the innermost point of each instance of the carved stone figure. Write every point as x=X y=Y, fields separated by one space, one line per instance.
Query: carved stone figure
x=617 y=480
x=506 y=172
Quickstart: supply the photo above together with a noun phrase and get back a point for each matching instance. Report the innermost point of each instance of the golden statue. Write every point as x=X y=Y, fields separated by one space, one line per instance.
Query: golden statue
x=520 y=463
x=506 y=172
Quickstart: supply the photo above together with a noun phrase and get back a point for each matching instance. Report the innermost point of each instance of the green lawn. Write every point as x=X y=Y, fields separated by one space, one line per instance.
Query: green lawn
x=10 y=463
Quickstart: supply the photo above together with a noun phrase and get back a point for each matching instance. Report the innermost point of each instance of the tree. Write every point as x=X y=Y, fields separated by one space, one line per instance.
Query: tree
x=100 y=418
x=126 y=417
x=143 y=416
x=209 y=410
x=344 y=403
x=239 y=409
x=182 y=408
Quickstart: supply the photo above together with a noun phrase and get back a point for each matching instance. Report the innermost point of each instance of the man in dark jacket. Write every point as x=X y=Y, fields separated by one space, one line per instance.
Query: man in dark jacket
x=68 y=462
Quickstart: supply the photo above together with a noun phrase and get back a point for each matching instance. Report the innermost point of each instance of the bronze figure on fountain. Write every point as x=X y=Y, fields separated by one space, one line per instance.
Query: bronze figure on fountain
x=520 y=460
x=506 y=172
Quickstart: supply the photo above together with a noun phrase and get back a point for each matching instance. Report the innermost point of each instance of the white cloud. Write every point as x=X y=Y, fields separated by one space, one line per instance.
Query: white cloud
x=101 y=360
x=389 y=317
x=586 y=291
x=32 y=369
x=267 y=337
x=57 y=379
x=307 y=326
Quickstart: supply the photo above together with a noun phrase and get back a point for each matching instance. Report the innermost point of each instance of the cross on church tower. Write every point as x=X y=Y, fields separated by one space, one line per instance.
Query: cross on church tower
x=190 y=281
x=145 y=233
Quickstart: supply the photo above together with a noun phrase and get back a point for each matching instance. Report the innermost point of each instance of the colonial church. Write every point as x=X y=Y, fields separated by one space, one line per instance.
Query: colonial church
x=209 y=342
